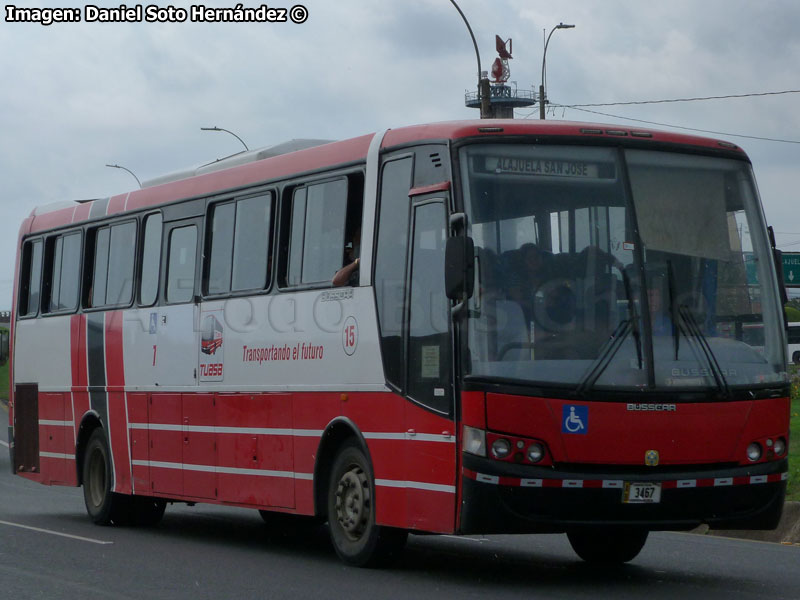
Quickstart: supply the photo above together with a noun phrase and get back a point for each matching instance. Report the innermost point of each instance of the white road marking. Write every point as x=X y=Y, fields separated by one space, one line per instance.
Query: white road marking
x=58 y=533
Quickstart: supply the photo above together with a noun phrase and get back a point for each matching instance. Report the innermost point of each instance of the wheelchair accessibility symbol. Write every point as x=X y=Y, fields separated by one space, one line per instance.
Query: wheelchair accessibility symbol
x=575 y=419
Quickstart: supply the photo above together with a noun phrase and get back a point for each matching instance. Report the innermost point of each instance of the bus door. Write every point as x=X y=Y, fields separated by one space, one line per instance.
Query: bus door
x=181 y=424
x=430 y=427
x=178 y=316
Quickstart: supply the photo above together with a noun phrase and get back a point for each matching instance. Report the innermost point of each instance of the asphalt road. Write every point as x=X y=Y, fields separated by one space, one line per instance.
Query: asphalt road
x=49 y=549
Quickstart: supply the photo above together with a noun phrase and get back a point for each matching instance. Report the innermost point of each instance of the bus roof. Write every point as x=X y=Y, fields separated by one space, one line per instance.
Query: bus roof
x=284 y=160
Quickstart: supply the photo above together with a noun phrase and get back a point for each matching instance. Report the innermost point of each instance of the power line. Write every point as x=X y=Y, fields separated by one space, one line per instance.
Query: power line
x=741 y=135
x=633 y=102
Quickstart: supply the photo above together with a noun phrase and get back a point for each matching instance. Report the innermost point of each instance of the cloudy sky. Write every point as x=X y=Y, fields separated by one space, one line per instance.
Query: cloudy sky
x=75 y=97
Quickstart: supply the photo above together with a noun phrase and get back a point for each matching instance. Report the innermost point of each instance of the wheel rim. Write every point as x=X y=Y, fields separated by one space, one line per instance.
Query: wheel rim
x=97 y=478
x=353 y=503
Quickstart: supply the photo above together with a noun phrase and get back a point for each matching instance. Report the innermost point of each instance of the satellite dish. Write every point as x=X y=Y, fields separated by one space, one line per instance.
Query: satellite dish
x=505 y=53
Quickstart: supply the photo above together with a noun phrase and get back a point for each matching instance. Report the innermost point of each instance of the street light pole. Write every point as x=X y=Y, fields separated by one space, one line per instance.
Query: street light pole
x=483 y=82
x=129 y=171
x=542 y=92
x=226 y=131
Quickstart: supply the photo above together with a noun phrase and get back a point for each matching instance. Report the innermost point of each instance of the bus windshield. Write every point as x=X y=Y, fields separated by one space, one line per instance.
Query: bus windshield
x=599 y=268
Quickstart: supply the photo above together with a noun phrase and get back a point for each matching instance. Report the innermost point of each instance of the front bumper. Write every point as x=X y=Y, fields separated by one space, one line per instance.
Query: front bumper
x=503 y=498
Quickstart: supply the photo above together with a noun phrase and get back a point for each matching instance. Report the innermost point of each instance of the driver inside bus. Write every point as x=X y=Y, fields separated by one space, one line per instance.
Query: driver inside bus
x=348 y=274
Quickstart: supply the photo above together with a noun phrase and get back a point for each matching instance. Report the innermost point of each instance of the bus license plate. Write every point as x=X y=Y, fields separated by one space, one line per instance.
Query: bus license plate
x=641 y=493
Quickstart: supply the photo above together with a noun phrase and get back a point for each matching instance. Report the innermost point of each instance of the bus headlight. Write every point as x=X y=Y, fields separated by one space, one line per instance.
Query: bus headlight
x=535 y=453
x=474 y=441
x=754 y=452
x=779 y=447
x=501 y=448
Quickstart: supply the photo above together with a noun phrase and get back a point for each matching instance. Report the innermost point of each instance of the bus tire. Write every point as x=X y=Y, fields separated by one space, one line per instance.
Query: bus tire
x=103 y=505
x=351 y=513
x=608 y=546
x=796 y=357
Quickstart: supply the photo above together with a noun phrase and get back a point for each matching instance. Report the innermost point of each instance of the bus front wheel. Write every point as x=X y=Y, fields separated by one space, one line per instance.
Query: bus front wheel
x=103 y=505
x=351 y=513
x=608 y=545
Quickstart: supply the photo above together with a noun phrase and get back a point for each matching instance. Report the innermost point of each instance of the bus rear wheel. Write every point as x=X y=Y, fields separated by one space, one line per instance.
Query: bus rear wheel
x=103 y=505
x=608 y=546
x=796 y=358
x=351 y=514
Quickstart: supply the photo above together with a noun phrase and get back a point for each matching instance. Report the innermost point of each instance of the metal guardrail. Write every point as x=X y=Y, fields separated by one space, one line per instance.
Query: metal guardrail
x=502 y=92
x=3 y=346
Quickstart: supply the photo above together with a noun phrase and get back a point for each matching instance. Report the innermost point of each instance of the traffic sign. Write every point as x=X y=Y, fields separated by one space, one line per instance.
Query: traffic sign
x=791 y=269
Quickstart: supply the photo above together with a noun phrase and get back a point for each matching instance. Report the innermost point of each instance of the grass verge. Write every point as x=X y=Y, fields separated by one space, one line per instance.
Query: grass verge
x=793 y=488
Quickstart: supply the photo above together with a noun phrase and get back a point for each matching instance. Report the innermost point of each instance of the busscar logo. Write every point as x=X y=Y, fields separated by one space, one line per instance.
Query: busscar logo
x=635 y=407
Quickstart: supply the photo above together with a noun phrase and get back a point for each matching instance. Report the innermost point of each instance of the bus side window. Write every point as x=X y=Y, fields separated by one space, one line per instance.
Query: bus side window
x=31 y=278
x=317 y=232
x=63 y=260
x=239 y=243
x=111 y=282
x=151 y=260
x=390 y=264
x=180 y=264
x=429 y=312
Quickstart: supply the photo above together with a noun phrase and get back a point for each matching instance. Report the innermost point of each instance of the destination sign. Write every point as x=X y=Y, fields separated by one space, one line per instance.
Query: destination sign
x=513 y=165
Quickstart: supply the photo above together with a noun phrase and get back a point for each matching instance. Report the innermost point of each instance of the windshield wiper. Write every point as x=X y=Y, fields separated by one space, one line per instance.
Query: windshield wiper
x=607 y=352
x=682 y=312
x=612 y=346
x=697 y=333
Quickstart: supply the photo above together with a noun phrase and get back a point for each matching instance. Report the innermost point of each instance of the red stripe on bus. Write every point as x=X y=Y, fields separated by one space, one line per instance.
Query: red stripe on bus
x=115 y=366
x=82 y=212
x=117 y=412
x=116 y=204
x=75 y=323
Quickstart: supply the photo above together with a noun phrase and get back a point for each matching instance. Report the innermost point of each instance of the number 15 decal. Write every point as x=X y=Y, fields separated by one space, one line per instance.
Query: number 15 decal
x=350 y=336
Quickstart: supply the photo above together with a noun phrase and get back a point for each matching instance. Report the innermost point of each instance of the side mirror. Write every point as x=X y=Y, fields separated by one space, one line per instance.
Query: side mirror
x=459 y=267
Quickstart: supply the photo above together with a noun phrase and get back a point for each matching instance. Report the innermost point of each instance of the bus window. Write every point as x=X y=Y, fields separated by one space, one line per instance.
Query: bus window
x=794 y=343
x=114 y=251
x=239 y=245
x=429 y=339
x=317 y=232
x=31 y=278
x=251 y=243
x=151 y=260
x=221 y=240
x=180 y=265
x=100 y=273
x=390 y=264
x=64 y=255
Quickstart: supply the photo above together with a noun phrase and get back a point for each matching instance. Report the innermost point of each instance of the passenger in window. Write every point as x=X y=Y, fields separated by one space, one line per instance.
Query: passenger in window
x=348 y=274
x=526 y=271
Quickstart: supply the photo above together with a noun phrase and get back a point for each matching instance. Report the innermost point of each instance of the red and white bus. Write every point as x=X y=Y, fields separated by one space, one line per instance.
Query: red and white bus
x=546 y=334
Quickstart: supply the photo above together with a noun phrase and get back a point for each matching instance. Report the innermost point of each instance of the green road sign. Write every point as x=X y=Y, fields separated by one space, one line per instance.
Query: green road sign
x=791 y=269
